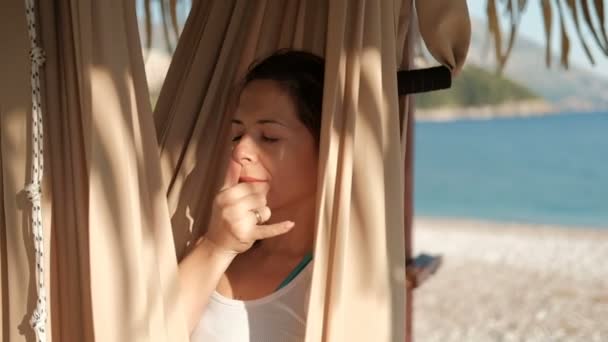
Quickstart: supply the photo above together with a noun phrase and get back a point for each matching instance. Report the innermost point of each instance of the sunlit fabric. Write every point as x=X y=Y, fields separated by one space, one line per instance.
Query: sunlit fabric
x=124 y=190
x=358 y=291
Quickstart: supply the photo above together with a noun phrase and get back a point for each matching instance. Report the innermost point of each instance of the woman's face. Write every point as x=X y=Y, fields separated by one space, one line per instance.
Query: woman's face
x=273 y=145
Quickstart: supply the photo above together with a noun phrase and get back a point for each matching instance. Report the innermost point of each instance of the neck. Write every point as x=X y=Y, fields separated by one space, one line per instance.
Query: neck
x=299 y=240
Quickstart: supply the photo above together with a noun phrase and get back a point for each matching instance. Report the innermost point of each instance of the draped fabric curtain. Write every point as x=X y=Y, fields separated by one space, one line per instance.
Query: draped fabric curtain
x=359 y=251
x=16 y=248
x=125 y=191
x=111 y=265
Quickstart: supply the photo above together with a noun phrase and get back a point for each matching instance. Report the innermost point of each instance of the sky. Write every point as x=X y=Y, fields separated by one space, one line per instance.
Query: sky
x=532 y=27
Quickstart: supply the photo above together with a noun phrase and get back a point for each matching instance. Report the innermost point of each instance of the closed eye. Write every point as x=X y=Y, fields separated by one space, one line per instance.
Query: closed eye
x=269 y=139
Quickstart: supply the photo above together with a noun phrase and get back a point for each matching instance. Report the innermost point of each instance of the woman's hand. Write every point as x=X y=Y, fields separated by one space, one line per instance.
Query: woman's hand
x=234 y=225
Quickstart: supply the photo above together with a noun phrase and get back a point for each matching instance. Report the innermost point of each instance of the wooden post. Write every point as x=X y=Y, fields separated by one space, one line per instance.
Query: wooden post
x=409 y=212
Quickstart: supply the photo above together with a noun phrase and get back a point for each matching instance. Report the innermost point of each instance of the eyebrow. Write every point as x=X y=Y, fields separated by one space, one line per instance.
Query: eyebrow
x=262 y=122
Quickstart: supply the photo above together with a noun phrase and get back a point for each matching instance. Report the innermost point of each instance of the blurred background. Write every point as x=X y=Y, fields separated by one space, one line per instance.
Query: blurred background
x=511 y=172
x=511 y=186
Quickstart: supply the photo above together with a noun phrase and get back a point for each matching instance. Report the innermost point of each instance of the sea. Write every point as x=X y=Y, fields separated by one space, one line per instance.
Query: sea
x=548 y=170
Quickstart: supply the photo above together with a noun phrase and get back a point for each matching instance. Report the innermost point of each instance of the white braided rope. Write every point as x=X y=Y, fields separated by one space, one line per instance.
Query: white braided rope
x=34 y=189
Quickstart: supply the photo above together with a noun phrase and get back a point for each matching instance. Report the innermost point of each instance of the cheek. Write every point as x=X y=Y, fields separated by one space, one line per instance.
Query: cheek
x=293 y=177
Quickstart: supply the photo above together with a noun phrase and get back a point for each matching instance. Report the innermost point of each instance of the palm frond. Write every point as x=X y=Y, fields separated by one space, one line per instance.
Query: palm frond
x=548 y=23
x=148 y=26
x=584 y=14
x=173 y=10
x=565 y=39
x=171 y=21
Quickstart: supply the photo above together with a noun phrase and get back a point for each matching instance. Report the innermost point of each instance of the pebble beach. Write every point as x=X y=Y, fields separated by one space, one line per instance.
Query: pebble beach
x=512 y=282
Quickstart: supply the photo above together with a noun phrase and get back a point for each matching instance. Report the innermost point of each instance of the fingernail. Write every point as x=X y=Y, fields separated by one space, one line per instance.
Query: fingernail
x=290 y=224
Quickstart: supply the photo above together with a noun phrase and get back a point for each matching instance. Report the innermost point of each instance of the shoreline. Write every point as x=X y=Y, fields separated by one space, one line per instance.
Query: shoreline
x=479 y=223
x=504 y=111
x=511 y=282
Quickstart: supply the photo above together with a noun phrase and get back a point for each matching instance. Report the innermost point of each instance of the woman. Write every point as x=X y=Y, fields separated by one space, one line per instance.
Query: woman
x=248 y=278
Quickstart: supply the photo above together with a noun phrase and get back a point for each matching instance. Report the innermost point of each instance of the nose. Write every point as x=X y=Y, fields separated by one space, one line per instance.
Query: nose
x=244 y=151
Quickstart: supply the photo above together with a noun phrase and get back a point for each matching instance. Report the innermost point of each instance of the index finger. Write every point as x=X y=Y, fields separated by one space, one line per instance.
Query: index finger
x=233 y=173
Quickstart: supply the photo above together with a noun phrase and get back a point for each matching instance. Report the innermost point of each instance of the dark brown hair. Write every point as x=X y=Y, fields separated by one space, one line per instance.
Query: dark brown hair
x=301 y=73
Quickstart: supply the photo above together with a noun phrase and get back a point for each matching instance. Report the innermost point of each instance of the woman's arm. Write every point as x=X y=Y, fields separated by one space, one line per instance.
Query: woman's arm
x=233 y=228
x=199 y=274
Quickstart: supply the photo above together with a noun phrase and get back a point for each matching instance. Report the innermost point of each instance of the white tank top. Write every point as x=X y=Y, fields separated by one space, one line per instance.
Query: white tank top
x=278 y=317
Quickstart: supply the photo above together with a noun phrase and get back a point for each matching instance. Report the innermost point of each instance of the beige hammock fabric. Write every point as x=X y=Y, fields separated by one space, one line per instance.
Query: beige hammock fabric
x=359 y=260
x=113 y=208
x=108 y=236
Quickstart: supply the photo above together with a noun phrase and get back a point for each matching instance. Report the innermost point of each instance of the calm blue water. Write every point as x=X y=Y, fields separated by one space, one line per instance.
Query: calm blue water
x=551 y=169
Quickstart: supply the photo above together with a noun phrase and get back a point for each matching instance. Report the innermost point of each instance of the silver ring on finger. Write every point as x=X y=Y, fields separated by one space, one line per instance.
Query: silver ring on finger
x=258 y=216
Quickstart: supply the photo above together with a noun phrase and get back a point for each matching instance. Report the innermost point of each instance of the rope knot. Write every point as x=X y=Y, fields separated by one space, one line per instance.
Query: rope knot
x=34 y=192
x=38 y=320
x=37 y=55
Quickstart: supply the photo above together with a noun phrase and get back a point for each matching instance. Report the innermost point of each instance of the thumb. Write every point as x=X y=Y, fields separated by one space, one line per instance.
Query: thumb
x=232 y=175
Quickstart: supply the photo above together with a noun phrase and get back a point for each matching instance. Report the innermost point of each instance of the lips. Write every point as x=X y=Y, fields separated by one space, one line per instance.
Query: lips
x=245 y=179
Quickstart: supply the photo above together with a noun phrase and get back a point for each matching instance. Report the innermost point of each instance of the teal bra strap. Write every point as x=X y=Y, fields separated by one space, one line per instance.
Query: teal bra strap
x=307 y=258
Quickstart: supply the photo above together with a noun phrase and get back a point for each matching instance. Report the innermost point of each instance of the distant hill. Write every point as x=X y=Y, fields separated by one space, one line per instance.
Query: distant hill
x=476 y=87
x=572 y=89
